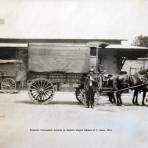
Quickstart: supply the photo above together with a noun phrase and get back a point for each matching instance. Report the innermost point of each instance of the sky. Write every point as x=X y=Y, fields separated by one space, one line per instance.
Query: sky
x=100 y=19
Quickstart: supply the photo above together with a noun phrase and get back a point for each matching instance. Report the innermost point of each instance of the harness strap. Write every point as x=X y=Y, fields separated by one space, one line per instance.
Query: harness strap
x=130 y=87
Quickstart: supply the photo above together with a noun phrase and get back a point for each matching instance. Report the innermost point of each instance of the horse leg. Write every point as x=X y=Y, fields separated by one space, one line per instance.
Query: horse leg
x=135 y=96
x=110 y=98
x=118 y=99
x=143 y=97
x=114 y=100
x=136 y=100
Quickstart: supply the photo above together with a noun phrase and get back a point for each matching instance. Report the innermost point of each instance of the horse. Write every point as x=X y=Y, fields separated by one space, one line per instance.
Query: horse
x=139 y=83
x=111 y=85
x=118 y=83
x=135 y=82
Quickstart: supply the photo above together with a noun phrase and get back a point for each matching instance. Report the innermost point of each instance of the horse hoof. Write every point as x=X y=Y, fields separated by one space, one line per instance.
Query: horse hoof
x=118 y=104
x=133 y=102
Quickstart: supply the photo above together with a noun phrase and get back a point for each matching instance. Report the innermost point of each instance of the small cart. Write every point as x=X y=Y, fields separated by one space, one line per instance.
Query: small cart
x=8 y=72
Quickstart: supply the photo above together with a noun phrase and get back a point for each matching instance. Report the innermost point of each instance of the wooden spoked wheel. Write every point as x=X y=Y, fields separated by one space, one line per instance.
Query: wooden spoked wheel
x=41 y=91
x=8 y=84
x=80 y=95
x=84 y=99
x=96 y=98
x=146 y=101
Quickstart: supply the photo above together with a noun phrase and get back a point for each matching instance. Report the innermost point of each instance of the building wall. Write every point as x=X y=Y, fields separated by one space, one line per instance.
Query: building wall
x=133 y=66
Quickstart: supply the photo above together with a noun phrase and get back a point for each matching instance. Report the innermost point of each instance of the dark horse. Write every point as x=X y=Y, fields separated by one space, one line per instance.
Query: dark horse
x=112 y=87
x=121 y=83
x=117 y=84
x=139 y=82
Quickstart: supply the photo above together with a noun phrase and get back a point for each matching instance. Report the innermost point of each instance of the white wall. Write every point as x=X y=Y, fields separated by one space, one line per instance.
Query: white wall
x=136 y=65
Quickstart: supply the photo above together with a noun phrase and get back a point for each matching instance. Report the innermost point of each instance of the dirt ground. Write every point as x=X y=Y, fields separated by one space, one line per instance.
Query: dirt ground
x=64 y=123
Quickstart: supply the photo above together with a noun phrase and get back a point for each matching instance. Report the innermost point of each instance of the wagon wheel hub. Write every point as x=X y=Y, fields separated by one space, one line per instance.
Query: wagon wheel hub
x=7 y=85
x=41 y=90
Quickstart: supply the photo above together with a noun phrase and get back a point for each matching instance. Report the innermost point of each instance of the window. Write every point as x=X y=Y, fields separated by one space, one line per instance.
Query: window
x=93 y=51
x=8 y=53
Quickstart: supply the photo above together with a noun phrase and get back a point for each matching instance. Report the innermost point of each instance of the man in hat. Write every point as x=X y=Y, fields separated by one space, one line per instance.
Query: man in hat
x=90 y=88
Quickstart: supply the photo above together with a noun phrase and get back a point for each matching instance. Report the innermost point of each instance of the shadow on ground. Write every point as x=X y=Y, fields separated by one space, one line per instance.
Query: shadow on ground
x=51 y=103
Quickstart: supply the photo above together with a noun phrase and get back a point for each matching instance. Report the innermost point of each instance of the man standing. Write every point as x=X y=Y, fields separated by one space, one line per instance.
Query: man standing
x=90 y=87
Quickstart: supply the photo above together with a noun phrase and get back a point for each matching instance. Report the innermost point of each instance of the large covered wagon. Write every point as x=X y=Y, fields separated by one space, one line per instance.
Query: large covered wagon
x=56 y=66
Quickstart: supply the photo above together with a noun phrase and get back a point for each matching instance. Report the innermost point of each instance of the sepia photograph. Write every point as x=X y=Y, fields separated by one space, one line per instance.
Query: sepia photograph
x=73 y=73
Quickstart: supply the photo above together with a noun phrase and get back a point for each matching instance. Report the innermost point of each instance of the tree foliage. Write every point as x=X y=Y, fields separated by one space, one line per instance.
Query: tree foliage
x=141 y=41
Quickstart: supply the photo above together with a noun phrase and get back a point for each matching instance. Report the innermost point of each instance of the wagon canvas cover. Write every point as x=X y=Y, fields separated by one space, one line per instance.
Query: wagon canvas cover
x=51 y=58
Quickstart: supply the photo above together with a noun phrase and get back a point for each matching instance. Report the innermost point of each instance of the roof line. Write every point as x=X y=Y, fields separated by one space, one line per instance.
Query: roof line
x=54 y=40
x=66 y=39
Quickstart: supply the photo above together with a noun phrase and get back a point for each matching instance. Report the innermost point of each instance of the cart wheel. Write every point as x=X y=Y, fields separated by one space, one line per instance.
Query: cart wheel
x=41 y=91
x=8 y=84
x=146 y=101
x=97 y=98
x=79 y=95
x=84 y=100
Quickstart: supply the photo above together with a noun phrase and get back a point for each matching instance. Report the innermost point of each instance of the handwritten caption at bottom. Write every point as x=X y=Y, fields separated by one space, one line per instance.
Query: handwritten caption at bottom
x=70 y=130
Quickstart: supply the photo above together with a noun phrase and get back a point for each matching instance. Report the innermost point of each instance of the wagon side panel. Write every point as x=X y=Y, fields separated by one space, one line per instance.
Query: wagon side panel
x=49 y=58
